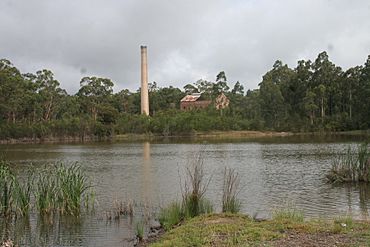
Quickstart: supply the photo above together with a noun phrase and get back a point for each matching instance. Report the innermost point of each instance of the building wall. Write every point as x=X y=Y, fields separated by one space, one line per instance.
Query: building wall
x=190 y=105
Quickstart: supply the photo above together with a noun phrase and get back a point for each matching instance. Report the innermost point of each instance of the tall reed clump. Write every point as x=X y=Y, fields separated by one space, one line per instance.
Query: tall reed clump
x=46 y=190
x=22 y=194
x=6 y=189
x=354 y=166
x=64 y=188
x=193 y=201
x=230 y=189
x=73 y=184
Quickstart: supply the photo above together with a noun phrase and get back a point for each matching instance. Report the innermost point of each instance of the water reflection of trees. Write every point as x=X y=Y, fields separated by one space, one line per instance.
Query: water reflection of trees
x=363 y=190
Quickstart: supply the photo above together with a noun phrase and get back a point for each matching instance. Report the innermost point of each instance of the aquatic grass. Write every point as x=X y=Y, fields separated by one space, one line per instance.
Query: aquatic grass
x=139 y=230
x=171 y=215
x=6 y=189
x=230 y=189
x=353 y=166
x=73 y=184
x=193 y=201
x=22 y=194
x=46 y=190
x=63 y=187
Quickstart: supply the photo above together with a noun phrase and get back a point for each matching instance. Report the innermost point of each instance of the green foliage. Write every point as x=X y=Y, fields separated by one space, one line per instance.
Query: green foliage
x=288 y=213
x=6 y=189
x=171 y=215
x=139 y=228
x=353 y=166
x=313 y=96
x=22 y=194
x=73 y=185
x=62 y=188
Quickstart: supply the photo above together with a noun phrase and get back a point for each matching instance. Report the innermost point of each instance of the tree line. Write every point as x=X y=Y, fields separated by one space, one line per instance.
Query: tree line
x=315 y=95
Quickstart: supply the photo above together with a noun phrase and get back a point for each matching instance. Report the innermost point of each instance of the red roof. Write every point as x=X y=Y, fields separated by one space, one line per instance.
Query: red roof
x=191 y=98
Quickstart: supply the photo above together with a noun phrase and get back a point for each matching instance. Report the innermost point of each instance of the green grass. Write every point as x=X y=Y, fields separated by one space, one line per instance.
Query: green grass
x=288 y=213
x=139 y=228
x=241 y=230
x=171 y=215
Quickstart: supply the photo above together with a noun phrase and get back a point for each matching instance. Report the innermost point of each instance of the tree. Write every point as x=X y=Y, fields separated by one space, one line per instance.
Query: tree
x=190 y=89
x=94 y=92
x=221 y=84
x=309 y=105
x=49 y=91
x=238 y=89
x=12 y=87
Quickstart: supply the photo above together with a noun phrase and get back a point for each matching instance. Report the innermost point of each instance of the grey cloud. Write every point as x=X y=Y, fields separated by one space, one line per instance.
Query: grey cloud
x=187 y=40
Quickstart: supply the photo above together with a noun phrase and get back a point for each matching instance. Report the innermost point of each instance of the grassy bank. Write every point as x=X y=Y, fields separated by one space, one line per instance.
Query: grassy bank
x=282 y=230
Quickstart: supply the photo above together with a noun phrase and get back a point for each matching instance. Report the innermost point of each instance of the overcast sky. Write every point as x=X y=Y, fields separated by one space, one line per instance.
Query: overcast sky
x=187 y=39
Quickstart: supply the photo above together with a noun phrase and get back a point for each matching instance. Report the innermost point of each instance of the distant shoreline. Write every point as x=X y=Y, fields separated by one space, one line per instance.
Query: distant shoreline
x=198 y=135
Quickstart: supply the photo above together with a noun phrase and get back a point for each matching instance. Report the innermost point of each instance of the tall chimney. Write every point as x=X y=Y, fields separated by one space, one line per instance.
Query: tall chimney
x=144 y=82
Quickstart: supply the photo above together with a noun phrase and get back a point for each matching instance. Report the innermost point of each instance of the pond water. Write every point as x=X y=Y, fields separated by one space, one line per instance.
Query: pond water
x=274 y=173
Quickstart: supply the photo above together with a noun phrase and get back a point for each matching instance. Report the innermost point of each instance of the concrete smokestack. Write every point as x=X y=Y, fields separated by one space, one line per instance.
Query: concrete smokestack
x=144 y=82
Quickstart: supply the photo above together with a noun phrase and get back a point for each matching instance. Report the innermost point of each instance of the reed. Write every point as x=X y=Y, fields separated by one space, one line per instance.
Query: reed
x=73 y=185
x=193 y=201
x=139 y=229
x=230 y=189
x=6 y=189
x=171 y=215
x=46 y=191
x=353 y=166
x=22 y=194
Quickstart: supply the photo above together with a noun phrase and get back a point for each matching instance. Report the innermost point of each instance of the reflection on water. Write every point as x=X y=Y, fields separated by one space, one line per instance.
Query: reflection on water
x=272 y=173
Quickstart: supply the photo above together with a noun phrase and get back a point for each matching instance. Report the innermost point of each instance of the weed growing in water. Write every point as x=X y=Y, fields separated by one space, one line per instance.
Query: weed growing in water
x=6 y=189
x=193 y=201
x=22 y=194
x=73 y=184
x=139 y=229
x=354 y=166
x=171 y=215
x=230 y=202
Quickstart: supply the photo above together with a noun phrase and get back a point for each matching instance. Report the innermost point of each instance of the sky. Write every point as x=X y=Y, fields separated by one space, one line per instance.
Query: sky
x=187 y=40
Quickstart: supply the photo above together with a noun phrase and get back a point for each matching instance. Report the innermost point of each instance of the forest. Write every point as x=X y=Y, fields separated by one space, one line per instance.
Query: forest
x=314 y=96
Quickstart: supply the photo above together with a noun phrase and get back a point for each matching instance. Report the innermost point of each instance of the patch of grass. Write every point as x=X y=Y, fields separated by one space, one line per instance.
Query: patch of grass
x=216 y=230
x=171 y=215
x=288 y=213
x=343 y=224
x=240 y=230
x=139 y=230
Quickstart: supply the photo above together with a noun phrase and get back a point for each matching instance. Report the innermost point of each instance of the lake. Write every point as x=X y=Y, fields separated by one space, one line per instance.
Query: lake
x=275 y=172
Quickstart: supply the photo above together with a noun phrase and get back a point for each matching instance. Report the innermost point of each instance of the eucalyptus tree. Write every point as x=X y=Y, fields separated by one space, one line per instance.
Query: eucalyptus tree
x=12 y=88
x=94 y=93
x=49 y=91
